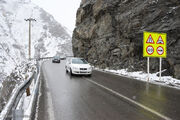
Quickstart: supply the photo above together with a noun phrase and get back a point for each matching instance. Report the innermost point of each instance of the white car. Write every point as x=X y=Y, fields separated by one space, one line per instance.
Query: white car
x=78 y=66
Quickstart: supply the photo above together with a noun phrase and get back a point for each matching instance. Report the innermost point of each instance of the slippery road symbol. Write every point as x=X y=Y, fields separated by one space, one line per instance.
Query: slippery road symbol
x=160 y=50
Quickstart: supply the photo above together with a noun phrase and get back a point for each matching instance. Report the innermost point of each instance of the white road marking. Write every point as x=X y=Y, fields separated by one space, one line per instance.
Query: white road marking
x=130 y=100
x=49 y=99
x=50 y=106
x=38 y=100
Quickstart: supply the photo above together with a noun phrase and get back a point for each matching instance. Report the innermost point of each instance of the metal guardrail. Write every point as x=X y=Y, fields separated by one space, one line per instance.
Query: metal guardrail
x=43 y=58
x=46 y=58
x=8 y=113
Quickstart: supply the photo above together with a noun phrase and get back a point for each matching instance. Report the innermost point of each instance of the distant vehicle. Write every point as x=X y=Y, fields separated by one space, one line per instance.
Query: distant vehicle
x=56 y=59
x=78 y=66
x=63 y=57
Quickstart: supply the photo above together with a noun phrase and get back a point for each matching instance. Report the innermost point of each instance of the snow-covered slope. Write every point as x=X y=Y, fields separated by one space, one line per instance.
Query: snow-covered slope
x=48 y=36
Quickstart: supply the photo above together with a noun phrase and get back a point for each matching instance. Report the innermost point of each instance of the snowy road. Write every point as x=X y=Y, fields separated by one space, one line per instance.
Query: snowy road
x=80 y=98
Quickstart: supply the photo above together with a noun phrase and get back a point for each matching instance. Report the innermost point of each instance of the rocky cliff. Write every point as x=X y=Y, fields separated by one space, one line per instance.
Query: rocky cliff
x=109 y=33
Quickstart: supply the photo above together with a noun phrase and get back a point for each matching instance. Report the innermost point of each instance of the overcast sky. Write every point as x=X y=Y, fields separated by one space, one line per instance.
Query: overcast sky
x=64 y=11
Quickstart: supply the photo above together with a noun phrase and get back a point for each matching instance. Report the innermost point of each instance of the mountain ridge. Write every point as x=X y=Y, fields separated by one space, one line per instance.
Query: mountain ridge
x=48 y=36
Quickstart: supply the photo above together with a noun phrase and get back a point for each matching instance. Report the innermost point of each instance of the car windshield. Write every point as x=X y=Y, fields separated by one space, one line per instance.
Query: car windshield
x=79 y=61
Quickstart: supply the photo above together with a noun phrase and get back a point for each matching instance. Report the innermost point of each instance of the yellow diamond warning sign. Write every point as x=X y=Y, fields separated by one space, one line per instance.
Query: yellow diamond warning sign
x=154 y=44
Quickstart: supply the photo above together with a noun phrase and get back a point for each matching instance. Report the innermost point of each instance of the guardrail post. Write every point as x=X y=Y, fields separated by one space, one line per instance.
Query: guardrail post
x=28 y=91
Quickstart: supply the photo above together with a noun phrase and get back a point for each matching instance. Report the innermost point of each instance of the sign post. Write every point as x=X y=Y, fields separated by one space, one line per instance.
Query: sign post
x=154 y=45
x=160 y=65
x=148 y=68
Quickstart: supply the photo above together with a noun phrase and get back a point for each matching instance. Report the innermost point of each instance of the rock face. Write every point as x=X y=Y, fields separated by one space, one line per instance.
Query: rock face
x=109 y=33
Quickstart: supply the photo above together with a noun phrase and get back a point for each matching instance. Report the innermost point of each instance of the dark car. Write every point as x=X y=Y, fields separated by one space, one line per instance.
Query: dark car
x=56 y=59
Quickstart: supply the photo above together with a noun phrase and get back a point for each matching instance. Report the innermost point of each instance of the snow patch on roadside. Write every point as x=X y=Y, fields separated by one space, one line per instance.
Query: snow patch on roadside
x=21 y=74
x=140 y=75
x=28 y=100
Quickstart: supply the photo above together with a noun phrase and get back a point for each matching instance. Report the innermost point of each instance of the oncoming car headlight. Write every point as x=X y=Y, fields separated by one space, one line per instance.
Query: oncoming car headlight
x=75 y=68
x=90 y=68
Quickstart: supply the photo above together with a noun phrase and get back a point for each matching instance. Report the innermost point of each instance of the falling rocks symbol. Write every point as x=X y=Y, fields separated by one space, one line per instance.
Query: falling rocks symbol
x=160 y=40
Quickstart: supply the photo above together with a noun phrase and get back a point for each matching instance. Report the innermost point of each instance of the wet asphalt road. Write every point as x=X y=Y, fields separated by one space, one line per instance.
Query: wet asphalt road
x=75 y=98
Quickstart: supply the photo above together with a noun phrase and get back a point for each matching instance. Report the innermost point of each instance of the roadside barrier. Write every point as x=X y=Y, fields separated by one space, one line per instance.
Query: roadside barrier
x=12 y=109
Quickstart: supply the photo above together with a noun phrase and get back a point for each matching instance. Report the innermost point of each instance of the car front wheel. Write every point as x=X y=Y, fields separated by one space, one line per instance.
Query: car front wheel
x=89 y=75
x=66 y=71
x=71 y=72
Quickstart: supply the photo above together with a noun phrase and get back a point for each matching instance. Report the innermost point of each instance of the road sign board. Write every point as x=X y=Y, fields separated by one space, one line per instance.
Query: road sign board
x=154 y=44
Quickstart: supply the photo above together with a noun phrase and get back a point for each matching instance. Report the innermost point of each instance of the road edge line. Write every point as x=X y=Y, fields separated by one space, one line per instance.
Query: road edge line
x=51 y=113
x=130 y=100
x=38 y=100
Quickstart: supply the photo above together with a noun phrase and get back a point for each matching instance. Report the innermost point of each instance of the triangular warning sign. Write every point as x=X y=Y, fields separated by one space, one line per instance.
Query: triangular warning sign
x=150 y=40
x=160 y=40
